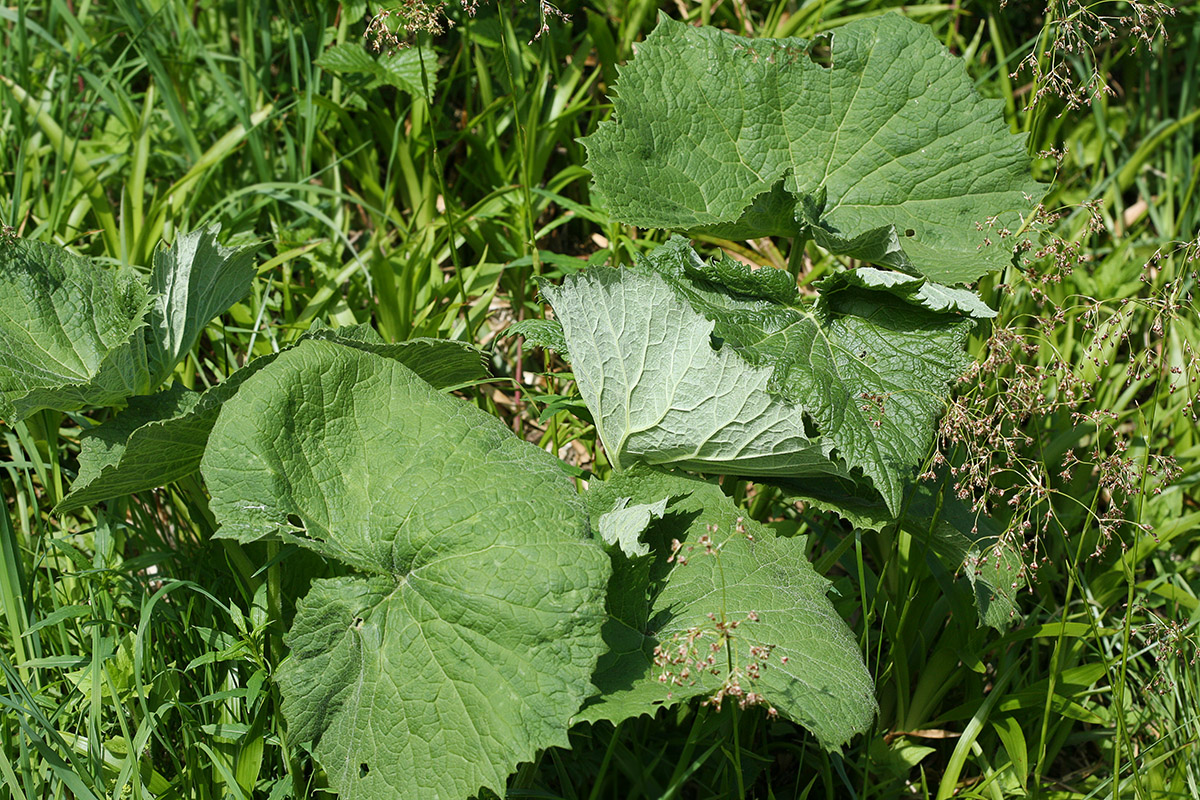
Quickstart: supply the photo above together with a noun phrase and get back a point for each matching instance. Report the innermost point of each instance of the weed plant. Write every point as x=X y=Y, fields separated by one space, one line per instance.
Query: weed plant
x=138 y=653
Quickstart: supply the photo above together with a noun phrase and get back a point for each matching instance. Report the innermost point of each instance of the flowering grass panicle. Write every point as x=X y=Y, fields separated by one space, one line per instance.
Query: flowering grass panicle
x=1076 y=31
x=994 y=438
x=394 y=27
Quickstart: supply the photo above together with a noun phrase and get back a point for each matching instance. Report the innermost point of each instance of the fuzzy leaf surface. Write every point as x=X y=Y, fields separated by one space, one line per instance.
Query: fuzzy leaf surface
x=703 y=366
x=814 y=674
x=870 y=364
x=886 y=153
x=69 y=331
x=624 y=525
x=161 y=438
x=659 y=392
x=75 y=334
x=914 y=290
x=468 y=633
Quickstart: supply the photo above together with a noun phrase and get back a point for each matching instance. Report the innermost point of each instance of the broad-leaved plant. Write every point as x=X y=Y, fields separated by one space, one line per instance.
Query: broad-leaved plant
x=483 y=604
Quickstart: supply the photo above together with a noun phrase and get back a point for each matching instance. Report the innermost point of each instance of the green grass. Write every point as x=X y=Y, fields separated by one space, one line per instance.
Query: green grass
x=137 y=653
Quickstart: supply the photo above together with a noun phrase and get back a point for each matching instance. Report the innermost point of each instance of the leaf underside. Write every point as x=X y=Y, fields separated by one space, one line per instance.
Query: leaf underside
x=703 y=366
x=469 y=631
x=659 y=392
x=886 y=153
x=814 y=673
x=624 y=525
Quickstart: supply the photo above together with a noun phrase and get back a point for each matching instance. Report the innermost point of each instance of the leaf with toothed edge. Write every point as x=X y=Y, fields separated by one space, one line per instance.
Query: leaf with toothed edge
x=624 y=524
x=886 y=153
x=545 y=333
x=813 y=672
x=469 y=629
x=714 y=368
x=76 y=334
x=70 y=331
x=661 y=395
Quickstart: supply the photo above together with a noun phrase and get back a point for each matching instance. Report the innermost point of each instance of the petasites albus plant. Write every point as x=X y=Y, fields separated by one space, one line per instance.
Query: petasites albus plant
x=484 y=604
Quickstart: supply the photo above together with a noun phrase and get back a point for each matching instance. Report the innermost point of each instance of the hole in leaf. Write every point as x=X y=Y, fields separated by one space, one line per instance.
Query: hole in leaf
x=295 y=521
x=810 y=425
x=821 y=53
x=910 y=232
x=363 y=769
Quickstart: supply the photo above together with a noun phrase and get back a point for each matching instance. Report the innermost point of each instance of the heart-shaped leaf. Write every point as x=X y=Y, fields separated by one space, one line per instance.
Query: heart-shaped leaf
x=468 y=634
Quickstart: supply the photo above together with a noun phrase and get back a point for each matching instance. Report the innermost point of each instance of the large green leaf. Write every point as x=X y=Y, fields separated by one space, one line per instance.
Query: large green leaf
x=659 y=392
x=69 y=331
x=715 y=368
x=469 y=633
x=913 y=290
x=813 y=672
x=75 y=334
x=886 y=153
x=156 y=440
x=443 y=363
x=161 y=438
x=192 y=281
x=871 y=363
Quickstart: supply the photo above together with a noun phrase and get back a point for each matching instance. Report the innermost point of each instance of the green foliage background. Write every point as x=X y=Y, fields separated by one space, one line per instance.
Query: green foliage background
x=423 y=193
